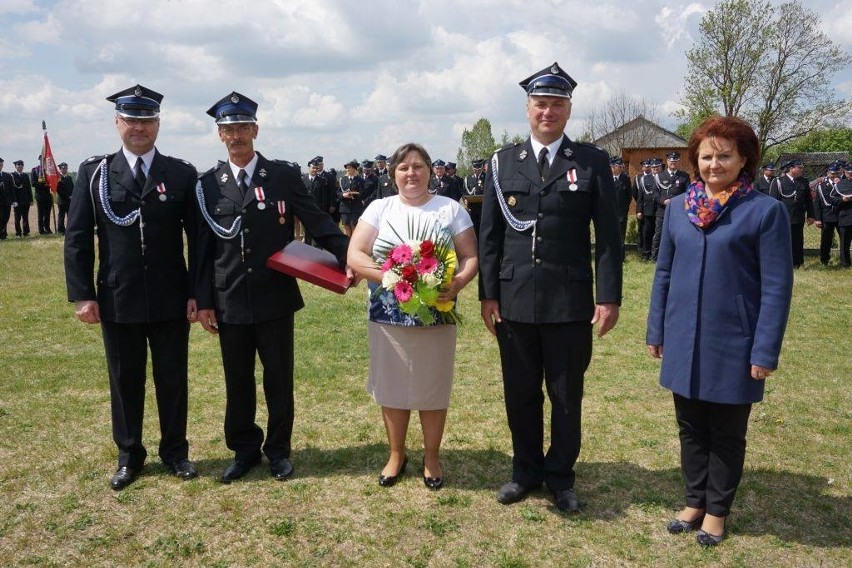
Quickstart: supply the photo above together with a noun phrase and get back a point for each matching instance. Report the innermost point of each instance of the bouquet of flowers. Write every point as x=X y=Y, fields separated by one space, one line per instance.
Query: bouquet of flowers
x=416 y=270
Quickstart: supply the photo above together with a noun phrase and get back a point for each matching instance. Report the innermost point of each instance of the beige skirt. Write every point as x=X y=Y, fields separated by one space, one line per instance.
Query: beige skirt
x=411 y=367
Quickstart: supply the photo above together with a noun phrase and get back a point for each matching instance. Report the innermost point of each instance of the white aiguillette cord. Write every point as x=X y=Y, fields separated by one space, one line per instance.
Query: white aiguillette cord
x=514 y=222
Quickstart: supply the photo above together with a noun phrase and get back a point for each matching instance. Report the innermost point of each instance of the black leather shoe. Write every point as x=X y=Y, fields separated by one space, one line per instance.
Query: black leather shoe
x=677 y=526
x=184 y=469
x=566 y=501
x=512 y=492
x=281 y=468
x=123 y=477
x=390 y=480
x=238 y=469
x=704 y=538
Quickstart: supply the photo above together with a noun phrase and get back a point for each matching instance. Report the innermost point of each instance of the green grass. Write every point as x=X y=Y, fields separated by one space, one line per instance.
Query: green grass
x=56 y=452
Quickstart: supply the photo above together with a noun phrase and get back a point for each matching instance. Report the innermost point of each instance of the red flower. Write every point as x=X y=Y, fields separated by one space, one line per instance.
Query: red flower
x=409 y=273
x=427 y=248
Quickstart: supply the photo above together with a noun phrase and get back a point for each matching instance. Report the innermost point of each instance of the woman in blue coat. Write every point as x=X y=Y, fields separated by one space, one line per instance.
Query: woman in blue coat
x=719 y=306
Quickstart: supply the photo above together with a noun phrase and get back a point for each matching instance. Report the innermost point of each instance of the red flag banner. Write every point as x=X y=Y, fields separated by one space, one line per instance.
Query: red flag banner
x=49 y=169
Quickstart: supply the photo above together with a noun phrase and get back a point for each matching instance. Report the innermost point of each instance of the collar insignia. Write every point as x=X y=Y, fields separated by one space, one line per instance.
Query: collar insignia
x=224 y=178
x=568 y=152
x=262 y=173
x=522 y=155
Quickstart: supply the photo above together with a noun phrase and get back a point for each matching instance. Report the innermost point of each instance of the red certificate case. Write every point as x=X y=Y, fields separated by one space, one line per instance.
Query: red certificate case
x=311 y=264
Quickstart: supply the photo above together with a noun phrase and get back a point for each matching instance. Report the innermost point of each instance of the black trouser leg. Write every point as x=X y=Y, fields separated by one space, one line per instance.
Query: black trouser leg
x=845 y=243
x=658 y=234
x=169 y=343
x=126 y=355
x=712 y=451
x=826 y=240
x=275 y=348
x=238 y=346
x=797 y=240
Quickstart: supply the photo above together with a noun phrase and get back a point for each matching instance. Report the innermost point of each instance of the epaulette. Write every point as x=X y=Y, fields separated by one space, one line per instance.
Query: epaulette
x=182 y=161
x=211 y=170
x=593 y=146
x=509 y=146
x=285 y=163
x=96 y=158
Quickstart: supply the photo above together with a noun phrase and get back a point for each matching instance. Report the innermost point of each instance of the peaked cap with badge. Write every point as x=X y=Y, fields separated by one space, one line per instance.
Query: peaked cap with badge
x=234 y=108
x=137 y=102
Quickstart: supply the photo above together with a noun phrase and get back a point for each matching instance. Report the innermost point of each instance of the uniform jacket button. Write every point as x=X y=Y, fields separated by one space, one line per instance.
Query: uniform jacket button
x=250 y=270
x=541 y=215
x=538 y=261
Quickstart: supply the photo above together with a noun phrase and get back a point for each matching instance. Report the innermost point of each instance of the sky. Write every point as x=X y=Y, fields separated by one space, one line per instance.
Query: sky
x=337 y=78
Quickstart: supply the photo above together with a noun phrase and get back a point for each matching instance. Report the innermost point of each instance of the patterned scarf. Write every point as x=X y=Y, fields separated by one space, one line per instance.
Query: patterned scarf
x=704 y=211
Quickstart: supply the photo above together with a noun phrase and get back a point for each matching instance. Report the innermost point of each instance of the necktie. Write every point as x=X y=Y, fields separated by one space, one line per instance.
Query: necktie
x=543 y=164
x=140 y=174
x=241 y=182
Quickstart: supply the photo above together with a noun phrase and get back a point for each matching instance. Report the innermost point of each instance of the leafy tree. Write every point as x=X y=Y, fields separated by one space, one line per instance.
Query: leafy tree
x=476 y=143
x=771 y=65
x=824 y=140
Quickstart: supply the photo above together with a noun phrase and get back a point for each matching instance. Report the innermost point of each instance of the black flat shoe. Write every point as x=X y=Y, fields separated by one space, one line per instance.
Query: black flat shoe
x=123 y=477
x=390 y=480
x=433 y=483
x=704 y=538
x=678 y=526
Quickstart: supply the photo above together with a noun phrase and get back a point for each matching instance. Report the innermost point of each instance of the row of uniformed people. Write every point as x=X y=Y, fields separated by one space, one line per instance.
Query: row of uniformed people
x=16 y=194
x=653 y=189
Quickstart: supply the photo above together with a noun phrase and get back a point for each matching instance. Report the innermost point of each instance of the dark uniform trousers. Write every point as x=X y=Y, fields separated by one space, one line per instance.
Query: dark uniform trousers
x=142 y=295
x=546 y=299
x=254 y=304
x=712 y=451
x=126 y=346
x=273 y=342
x=558 y=353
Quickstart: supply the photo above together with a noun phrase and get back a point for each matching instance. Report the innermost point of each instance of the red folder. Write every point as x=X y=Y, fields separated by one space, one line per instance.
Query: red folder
x=309 y=263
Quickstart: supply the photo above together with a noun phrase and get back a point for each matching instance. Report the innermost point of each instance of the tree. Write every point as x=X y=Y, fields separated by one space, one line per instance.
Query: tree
x=609 y=116
x=824 y=140
x=770 y=65
x=476 y=143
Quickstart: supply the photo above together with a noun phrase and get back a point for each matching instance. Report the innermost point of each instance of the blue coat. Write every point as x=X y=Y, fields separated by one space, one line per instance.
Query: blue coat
x=721 y=298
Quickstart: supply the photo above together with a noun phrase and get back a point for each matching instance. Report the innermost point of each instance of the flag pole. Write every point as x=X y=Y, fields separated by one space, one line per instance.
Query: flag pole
x=44 y=150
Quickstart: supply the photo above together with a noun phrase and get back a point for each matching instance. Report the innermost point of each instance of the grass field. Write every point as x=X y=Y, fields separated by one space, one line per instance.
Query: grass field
x=56 y=452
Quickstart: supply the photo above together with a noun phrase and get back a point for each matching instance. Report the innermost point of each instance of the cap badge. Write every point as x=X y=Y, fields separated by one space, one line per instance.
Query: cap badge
x=522 y=155
x=262 y=173
x=235 y=99
x=554 y=69
x=138 y=92
x=512 y=201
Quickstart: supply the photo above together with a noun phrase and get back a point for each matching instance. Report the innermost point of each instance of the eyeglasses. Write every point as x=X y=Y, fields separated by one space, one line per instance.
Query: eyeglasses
x=136 y=122
x=231 y=129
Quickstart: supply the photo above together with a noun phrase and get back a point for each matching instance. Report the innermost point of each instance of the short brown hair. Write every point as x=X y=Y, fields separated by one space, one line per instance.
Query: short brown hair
x=400 y=153
x=733 y=128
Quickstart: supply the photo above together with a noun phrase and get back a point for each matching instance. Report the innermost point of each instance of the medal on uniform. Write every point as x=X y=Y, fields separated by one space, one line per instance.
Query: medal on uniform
x=282 y=208
x=262 y=173
x=512 y=201
x=161 y=189
x=261 y=198
x=572 y=177
x=522 y=155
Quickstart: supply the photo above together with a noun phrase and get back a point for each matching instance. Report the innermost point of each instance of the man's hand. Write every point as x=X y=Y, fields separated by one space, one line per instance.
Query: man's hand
x=656 y=351
x=208 y=321
x=87 y=311
x=490 y=310
x=191 y=311
x=606 y=316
